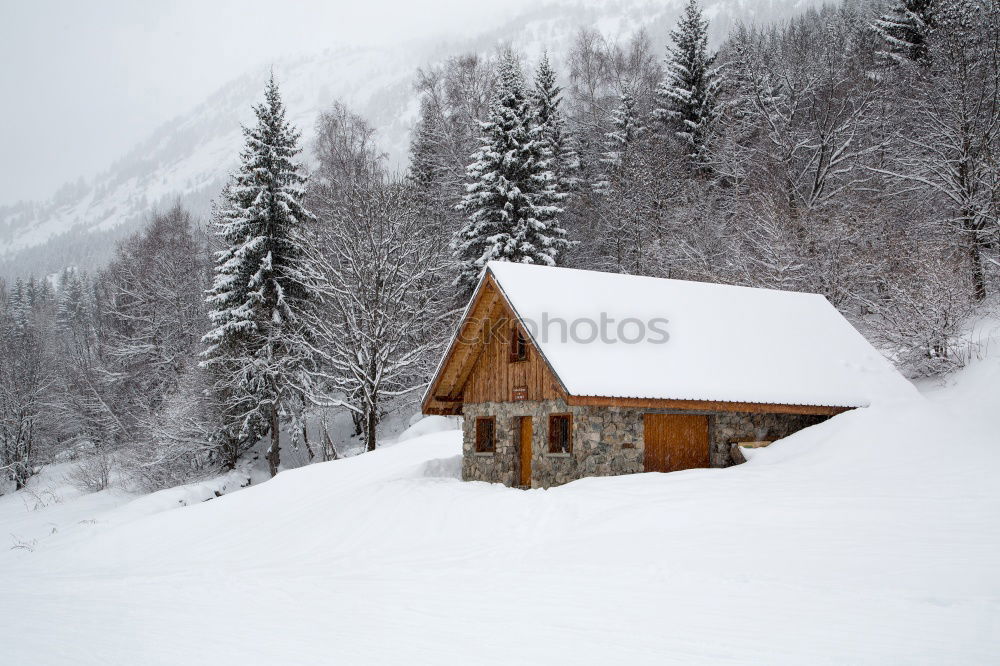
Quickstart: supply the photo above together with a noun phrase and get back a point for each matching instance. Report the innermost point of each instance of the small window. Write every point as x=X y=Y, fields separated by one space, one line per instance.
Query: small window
x=560 y=433
x=486 y=441
x=518 y=345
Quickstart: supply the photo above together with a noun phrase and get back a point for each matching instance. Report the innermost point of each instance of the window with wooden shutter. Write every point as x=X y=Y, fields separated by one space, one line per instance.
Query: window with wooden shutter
x=560 y=433
x=518 y=345
x=486 y=434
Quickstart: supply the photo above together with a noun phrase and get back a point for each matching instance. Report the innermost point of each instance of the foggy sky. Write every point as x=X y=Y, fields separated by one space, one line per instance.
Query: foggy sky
x=83 y=81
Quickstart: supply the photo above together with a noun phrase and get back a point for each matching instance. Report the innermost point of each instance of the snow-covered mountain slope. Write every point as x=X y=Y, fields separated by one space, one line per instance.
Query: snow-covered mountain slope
x=189 y=157
x=869 y=539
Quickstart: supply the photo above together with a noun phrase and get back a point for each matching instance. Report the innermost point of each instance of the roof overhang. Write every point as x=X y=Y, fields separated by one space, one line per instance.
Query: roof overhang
x=703 y=405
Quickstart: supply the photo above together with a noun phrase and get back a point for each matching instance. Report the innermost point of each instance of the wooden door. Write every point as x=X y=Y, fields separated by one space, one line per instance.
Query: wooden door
x=524 y=449
x=675 y=441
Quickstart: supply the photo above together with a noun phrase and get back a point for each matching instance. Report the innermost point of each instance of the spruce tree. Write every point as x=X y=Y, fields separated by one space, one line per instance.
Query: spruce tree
x=18 y=306
x=73 y=308
x=905 y=29
x=511 y=199
x=258 y=349
x=422 y=175
x=425 y=176
x=687 y=97
x=546 y=100
x=619 y=141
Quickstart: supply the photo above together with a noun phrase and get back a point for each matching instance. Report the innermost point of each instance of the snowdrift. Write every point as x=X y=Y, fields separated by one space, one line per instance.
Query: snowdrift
x=872 y=538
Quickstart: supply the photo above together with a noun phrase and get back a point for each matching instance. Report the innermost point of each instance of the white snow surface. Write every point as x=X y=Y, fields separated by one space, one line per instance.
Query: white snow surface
x=728 y=343
x=869 y=539
x=427 y=425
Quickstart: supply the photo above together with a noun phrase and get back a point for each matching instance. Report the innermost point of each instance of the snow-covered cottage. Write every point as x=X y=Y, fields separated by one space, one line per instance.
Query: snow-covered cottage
x=563 y=373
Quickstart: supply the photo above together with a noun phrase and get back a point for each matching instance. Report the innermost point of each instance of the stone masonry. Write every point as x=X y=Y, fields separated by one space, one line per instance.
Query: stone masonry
x=724 y=428
x=607 y=441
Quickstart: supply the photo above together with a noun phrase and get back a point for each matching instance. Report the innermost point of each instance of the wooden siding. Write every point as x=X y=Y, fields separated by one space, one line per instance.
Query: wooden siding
x=524 y=450
x=674 y=442
x=477 y=366
x=495 y=377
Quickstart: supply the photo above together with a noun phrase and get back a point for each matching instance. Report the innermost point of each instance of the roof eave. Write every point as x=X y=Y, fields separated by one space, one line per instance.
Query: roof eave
x=706 y=405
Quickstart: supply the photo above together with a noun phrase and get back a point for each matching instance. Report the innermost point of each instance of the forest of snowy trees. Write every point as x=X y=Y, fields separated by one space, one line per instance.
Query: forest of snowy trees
x=848 y=152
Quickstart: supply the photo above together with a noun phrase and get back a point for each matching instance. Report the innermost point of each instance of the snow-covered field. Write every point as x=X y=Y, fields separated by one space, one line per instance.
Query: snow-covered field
x=873 y=538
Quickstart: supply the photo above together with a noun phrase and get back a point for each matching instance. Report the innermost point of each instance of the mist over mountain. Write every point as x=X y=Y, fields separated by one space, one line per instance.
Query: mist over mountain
x=188 y=158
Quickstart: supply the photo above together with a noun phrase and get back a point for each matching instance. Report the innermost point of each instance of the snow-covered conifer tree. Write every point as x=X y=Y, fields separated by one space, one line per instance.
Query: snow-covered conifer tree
x=905 y=29
x=426 y=177
x=258 y=349
x=511 y=201
x=619 y=140
x=688 y=96
x=546 y=101
x=622 y=235
x=423 y=170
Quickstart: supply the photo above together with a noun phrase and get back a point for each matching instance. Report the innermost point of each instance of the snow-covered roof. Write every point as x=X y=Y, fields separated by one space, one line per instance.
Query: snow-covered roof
x=722 y=343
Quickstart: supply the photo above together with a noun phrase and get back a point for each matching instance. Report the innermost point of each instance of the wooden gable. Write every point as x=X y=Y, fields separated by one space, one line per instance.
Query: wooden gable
x=479 y=366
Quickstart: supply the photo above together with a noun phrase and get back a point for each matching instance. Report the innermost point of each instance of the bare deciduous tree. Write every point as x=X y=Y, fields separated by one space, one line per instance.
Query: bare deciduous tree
x=383 y=300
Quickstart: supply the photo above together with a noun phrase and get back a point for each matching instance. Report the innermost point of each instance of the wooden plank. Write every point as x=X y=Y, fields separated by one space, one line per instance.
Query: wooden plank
x=476 y=370
x=654 y=444
x=474 y=352
x=703 y=405
x=524 y=449
x=465 y=348
x=674 y=442
x=495 y=377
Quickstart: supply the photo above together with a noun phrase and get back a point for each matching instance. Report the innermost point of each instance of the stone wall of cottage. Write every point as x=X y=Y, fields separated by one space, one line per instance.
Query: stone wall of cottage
x=607 y=441
x=724 y=428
